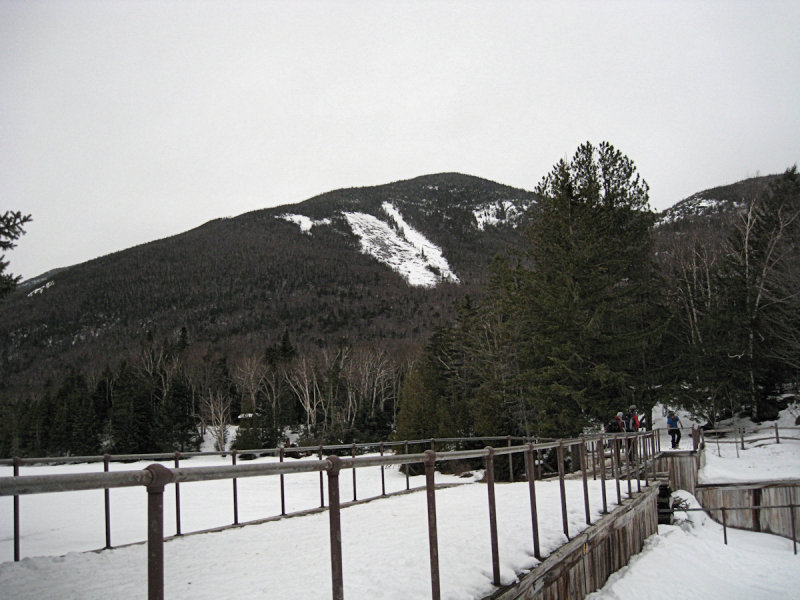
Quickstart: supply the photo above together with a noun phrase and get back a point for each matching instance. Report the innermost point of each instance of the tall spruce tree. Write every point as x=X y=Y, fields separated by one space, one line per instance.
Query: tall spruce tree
x=568 y=330
x=131 y=416
x=586 y=292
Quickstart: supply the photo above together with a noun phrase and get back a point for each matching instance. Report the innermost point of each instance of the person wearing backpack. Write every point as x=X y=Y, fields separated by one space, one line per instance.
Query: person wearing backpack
x=673 y=426
x=631 y=420
x=631 y=425
x=615 y=425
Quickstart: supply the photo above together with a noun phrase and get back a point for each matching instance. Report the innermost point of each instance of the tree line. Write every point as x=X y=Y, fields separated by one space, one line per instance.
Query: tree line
x=165 y=397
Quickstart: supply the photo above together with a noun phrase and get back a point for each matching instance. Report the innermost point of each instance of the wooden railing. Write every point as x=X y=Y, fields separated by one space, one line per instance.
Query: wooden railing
x=750 y=435
x=630 y=454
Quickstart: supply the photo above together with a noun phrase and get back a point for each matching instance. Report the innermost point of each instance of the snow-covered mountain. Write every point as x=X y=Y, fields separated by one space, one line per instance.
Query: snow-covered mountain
x=716 y=201
x=385 y=263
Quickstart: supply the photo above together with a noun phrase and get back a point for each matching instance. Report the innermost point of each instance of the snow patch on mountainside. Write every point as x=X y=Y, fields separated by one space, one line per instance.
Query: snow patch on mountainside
x=305 y=223
x=698 y=205
x=405 y=250
x=505 y=211
x=41 y=289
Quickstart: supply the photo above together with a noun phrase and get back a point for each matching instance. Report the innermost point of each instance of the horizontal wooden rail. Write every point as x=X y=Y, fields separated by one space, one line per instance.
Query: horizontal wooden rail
x=541 y=443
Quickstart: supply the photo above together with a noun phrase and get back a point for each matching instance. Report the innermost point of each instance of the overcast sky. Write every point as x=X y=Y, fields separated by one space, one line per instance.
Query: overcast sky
x=126 y=121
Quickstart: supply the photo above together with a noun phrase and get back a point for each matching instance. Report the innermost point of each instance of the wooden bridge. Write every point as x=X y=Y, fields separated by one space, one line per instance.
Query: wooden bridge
x=577 y=568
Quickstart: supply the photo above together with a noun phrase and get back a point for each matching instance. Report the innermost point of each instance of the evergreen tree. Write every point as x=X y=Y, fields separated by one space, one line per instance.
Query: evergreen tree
x=11 y=228
x=73 y=430
x=418 y=417
x=175 y=421
x=436 y=394
x=584 y=297
x=132 y=419
x=568 y=332
x=279 y=403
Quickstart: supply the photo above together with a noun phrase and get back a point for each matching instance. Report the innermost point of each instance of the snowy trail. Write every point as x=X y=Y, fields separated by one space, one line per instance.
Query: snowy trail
x=690 y=559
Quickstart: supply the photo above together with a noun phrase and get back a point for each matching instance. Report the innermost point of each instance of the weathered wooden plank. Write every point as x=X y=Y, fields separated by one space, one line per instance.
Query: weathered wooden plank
x=682 y=468
x=584 y=564
x=752 y=494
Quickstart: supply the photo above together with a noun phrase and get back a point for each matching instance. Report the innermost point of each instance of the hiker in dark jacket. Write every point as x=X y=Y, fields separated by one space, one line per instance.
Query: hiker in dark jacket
x=673 y=426
x=615 y=425
x=631 y=421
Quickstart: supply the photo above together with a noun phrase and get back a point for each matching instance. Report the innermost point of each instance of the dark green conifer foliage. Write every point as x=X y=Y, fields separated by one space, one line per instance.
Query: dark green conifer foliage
x=569 y=328
x=583 y=299
x=131 y=413
x=11 y=228
x=176 y=424
x=420 y=400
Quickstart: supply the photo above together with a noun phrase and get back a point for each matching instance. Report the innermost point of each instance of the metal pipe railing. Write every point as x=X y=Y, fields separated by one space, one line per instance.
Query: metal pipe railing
x=164 y=456
x=156 y=476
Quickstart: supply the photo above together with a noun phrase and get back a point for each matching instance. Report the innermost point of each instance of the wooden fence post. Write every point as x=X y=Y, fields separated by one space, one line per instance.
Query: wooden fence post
x=615 y=461
x=177 y=497
x=321 y=487
x=383 y=480
x=492 y=516
x=560 y=458
x=582 y=456
x=353 y=455
x=107 y=502
x=281 y=455
x=433 y=538
x=334 y=517
x=600 y=450
x=638 y=456
x=16 y=513
x=235 y=493
x=530 y=470
x=724 y=526
x=628 y=463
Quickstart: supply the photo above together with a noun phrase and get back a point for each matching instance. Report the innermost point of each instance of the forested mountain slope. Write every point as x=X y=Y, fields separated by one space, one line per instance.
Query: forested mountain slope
x=312 y=317
x=237 y=284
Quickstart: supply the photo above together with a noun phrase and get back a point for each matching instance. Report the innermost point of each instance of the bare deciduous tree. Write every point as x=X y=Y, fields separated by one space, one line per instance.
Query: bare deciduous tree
x=303 y=380
x=248 y=376
x=217 y=416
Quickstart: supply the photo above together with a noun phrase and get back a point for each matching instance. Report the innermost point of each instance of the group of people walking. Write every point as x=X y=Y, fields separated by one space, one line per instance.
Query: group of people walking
x=622 y=422
x=630 y=422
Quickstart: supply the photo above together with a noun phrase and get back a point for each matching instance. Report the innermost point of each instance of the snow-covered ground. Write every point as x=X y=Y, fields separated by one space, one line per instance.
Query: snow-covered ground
x=690 y=558
x=385 y=542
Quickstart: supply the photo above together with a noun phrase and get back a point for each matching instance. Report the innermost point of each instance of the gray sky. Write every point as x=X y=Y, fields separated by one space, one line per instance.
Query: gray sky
x=125 y=121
